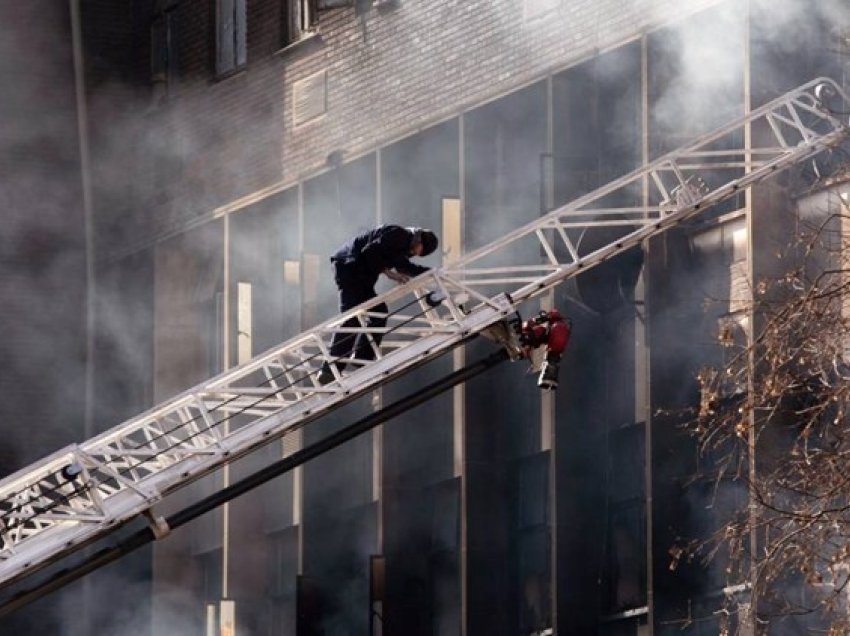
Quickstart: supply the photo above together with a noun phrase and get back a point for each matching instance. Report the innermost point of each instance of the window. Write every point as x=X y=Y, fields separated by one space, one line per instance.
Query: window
x=163 y=54
x=533 y=543
x=231 y=30
x=210 y=566
x=300 y=16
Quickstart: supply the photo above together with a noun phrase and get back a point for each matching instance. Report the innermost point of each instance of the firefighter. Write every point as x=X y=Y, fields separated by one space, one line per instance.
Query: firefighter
x=552 y=330
x=358 y=264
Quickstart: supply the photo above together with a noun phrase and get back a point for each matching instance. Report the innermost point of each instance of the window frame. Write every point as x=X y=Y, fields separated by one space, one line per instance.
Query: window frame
x=231 y=44
x=300 y=18
x=163 y=53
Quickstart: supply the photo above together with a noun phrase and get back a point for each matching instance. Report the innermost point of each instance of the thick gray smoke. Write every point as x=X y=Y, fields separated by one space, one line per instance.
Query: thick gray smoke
x=42 y=250
x=42 y=285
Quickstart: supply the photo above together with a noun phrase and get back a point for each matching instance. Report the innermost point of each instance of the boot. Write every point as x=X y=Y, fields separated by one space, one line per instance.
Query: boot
x=326 y=375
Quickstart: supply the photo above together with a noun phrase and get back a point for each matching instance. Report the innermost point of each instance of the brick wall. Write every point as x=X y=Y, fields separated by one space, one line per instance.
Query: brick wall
x=390 y=71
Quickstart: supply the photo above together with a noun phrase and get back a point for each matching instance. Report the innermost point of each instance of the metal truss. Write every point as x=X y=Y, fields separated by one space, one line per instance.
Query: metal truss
x=84 y=491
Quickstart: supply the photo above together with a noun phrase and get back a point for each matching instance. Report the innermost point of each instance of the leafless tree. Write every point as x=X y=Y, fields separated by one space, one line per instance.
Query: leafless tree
x=774 y=418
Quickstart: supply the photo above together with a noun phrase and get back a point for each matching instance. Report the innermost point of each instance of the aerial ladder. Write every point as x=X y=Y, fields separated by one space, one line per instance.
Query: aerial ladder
x=87 y=491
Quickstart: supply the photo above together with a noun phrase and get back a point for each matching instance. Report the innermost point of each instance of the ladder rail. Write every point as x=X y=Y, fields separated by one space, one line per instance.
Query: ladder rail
x=126 y=470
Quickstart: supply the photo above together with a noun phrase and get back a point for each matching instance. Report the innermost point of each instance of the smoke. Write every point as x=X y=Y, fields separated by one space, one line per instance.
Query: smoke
x=695 y=75
x=42 y=283
x=211 y=144
x=41 y=248
x=175 y=612
x=791 y=25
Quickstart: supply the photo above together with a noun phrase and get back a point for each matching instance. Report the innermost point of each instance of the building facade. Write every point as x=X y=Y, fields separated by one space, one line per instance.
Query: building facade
x=237 y=143
x=43 y=246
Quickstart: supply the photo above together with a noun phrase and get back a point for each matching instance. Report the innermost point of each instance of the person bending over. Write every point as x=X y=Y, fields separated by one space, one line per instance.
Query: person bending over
x=358 y=264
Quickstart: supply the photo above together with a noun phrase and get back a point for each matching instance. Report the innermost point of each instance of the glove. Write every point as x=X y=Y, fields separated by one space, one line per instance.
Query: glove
x=398 y=277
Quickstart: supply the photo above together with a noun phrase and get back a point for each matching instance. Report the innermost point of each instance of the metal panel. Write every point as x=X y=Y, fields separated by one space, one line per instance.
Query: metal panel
x=227 y=617
x=309 y=98
x=244 y=323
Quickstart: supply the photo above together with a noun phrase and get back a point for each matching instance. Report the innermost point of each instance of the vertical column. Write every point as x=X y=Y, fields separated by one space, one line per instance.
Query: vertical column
x=211 y=620
x=377 y=563
x=747 y=628
x=225 y=364
x=643 y=410
x=244 y=323
x=458 y=405
x=452 y=241
x=298 y=473
x=459 y=359
x=547 y=398
x=91 y=281
x=227 y=618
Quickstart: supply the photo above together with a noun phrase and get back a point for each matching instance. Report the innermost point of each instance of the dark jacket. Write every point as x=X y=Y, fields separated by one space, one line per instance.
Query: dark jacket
x=385 y=247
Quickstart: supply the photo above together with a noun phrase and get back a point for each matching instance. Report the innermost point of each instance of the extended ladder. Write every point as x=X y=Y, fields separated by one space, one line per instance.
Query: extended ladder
x=85 y=491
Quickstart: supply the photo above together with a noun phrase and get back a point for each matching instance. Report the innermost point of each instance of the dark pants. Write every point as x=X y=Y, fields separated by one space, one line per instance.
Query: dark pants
x=355 y=288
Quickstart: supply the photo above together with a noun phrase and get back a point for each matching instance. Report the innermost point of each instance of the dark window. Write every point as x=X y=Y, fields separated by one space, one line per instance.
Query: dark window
x=533 y=549
x=163 y=54
x=231 y=30
x=210 y=564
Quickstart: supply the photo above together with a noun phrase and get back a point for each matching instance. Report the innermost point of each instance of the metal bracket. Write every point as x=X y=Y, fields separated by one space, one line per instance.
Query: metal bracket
x=503 y=333
x=158 y=525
